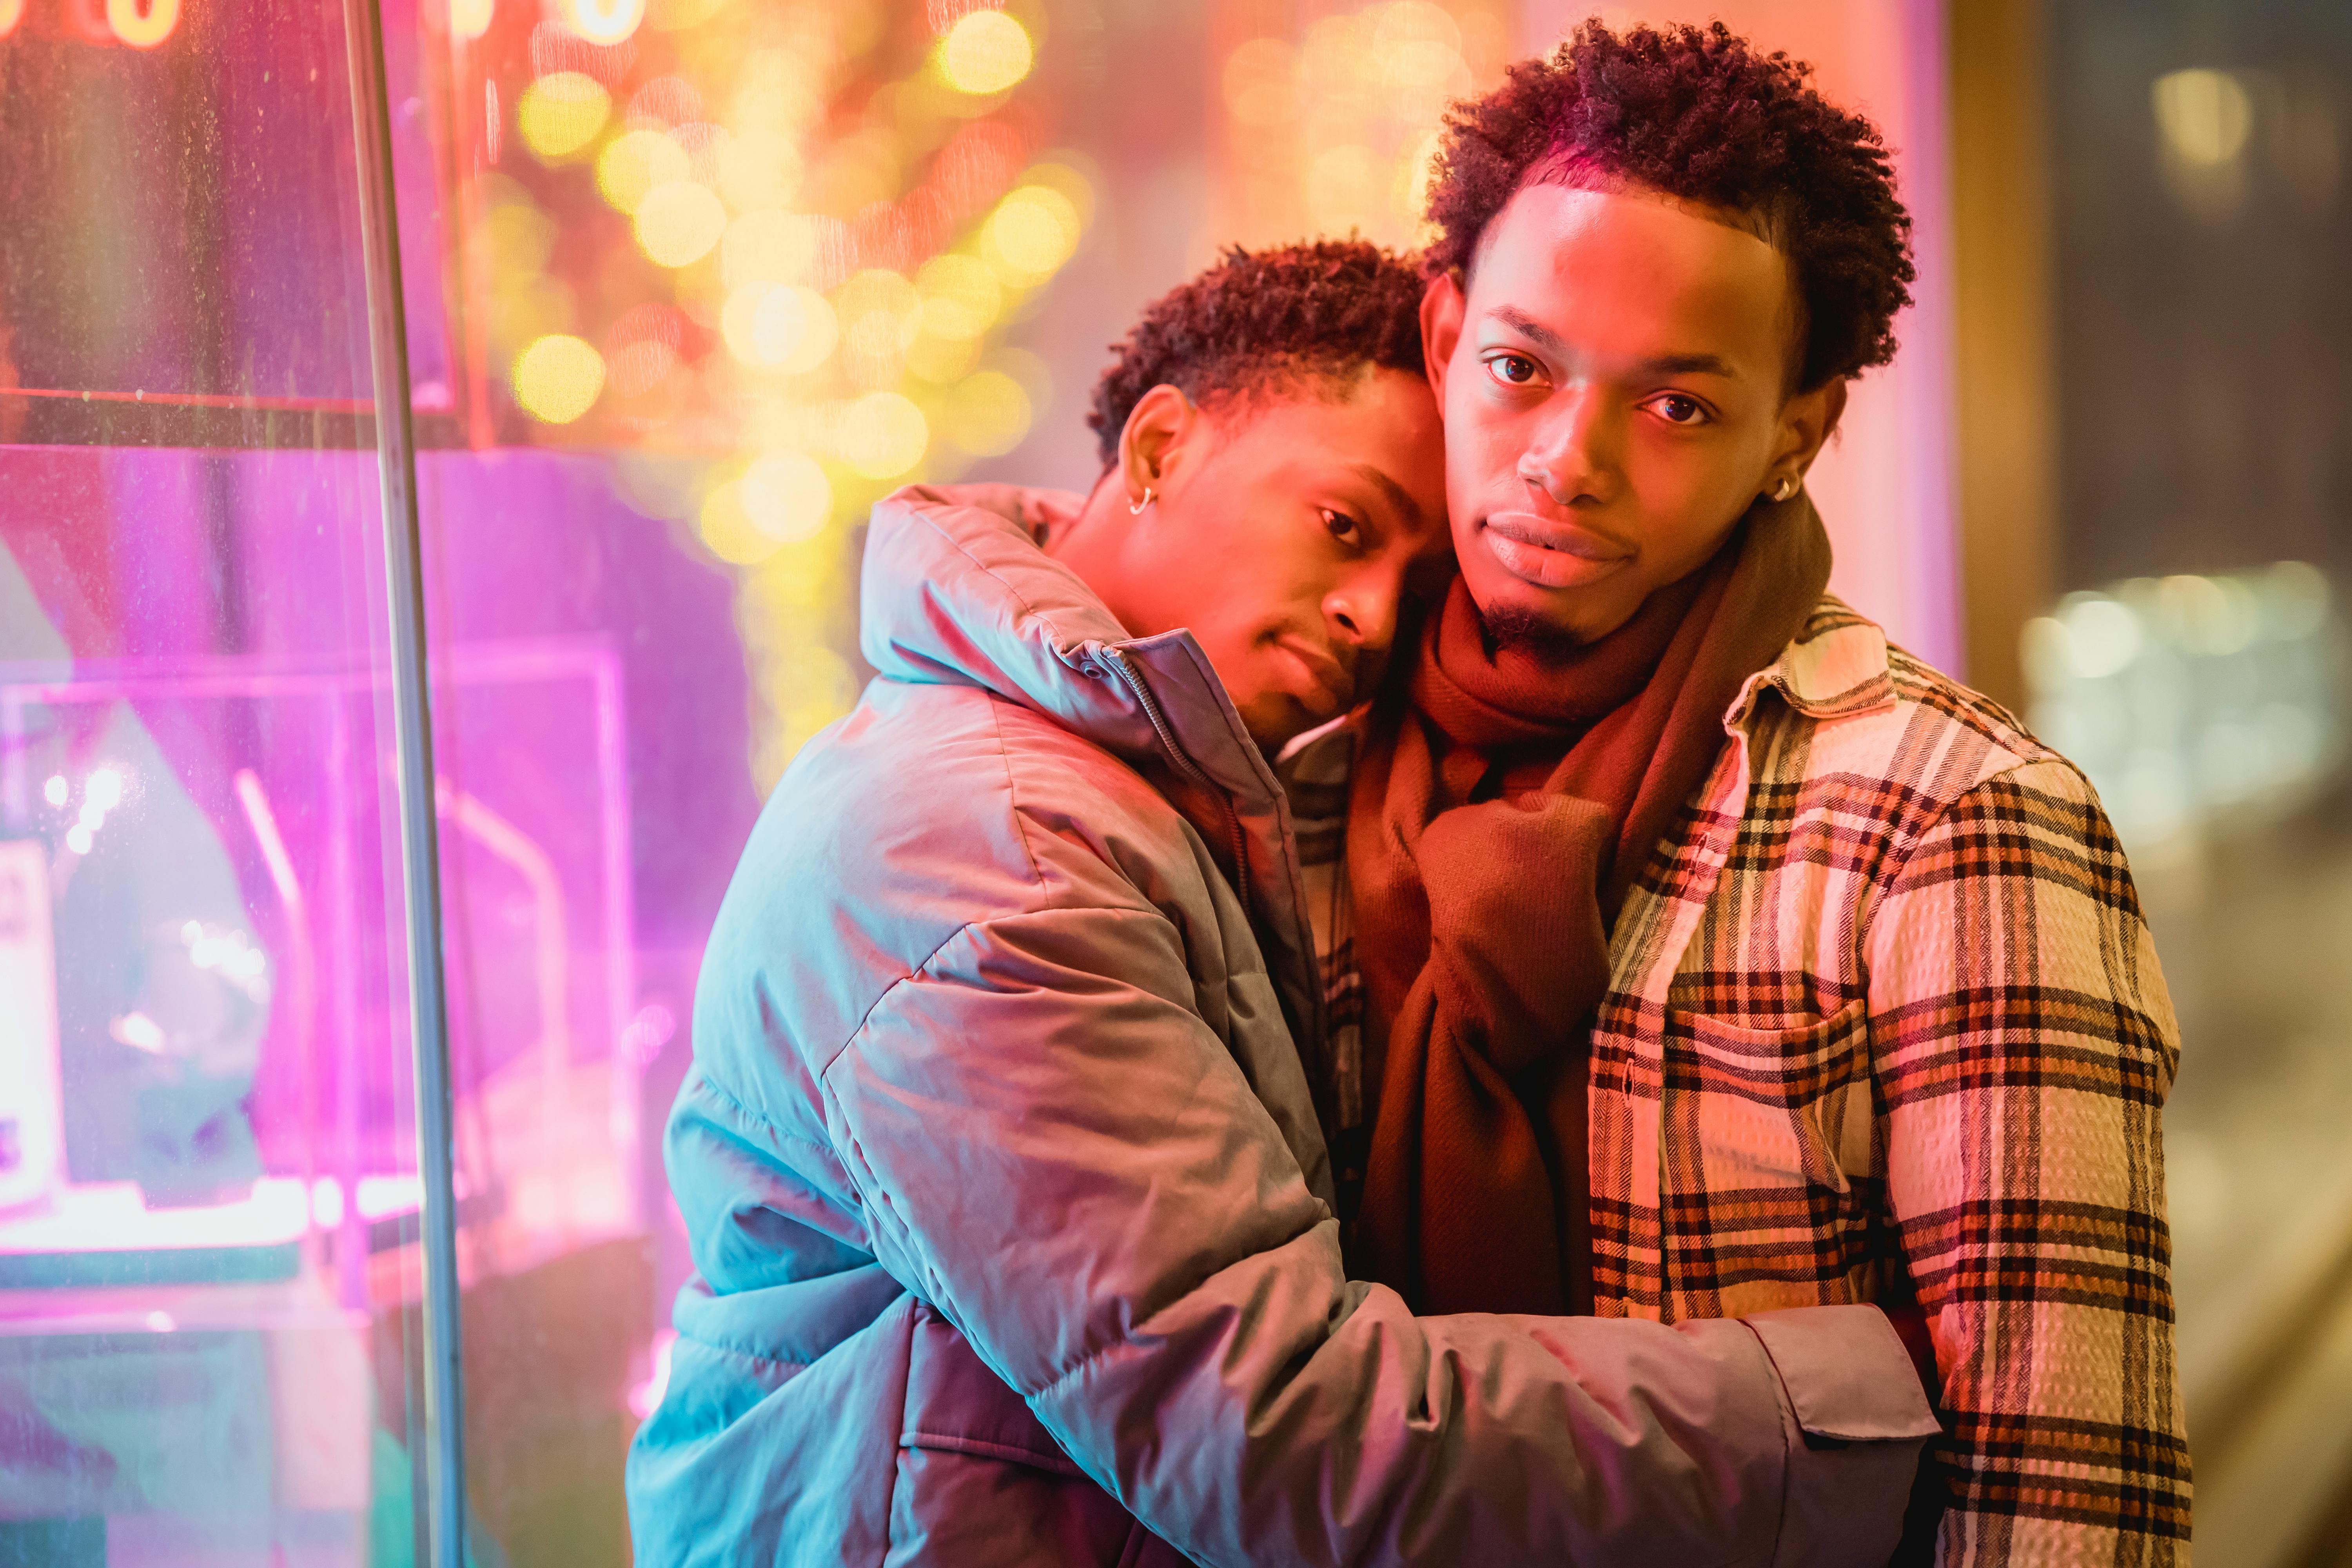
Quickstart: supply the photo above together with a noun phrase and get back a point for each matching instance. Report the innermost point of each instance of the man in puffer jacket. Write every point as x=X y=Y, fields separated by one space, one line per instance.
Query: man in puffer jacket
x=1008 y=1198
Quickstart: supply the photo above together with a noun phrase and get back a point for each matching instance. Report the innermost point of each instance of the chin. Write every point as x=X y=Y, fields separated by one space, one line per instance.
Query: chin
x=1520 y=613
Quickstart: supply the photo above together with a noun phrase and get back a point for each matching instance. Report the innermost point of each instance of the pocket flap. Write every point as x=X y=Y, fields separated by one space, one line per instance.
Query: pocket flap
x=955 y=1403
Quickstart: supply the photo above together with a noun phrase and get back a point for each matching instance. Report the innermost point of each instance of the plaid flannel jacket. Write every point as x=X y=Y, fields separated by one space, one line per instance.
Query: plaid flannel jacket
x=1883 y=1018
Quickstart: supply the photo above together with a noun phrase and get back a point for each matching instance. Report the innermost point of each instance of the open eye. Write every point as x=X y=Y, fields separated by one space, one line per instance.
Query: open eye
x=1342 y=527
x=1680 y=408
x=1514 y=370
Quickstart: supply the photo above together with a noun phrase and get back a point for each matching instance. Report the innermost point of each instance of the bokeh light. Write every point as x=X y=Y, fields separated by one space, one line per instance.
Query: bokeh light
x=1031 y=233
x=2206 y=116
x=678 y=222
x=758 y=169
x=471 y=18
x=786 y=496
x=142 y=27
x=11 y=13
x=603 y=21
x=635 y=162
x=986 y=413
x=883 y=434
x=778 y=327
x=881 y=314
x=767 y=245
x=960 y=297
x=561 y=113
x=558 y=378
x=726 y=530
x=985 y=52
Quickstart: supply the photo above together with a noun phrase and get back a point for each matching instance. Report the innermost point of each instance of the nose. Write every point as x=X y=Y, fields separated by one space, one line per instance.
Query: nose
x=1362 y=613
x=1573 y=456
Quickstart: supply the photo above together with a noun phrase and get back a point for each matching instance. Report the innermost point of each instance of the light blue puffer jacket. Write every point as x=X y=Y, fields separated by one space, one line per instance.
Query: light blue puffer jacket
x=1009 y=1206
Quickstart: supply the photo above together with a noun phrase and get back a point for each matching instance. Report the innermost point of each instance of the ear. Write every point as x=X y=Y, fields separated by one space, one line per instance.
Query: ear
x=1442 y=310
x=1152 y=443
x=1807 y=421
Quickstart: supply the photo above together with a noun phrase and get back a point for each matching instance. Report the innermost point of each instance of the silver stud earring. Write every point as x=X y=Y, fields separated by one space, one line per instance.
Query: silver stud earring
x=1136 y=508
x=1785 y=488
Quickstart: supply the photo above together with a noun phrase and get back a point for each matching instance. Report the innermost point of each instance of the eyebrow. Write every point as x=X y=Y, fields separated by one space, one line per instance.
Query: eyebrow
x=1398 y=497
x=1527 y=327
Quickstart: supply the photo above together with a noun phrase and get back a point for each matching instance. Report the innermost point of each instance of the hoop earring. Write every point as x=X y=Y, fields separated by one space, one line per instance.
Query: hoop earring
x=1136 y=508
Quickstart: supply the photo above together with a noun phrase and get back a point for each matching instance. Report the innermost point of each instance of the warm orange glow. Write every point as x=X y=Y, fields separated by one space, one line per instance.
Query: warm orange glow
x=140 y=30
x=11 y=13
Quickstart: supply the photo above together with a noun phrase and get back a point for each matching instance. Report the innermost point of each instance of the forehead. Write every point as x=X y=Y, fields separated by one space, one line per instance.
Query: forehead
x=1375 y=426
x=1635 y=273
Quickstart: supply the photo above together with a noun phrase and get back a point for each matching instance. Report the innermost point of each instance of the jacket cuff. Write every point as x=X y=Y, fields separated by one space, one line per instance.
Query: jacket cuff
x=1855 y=1422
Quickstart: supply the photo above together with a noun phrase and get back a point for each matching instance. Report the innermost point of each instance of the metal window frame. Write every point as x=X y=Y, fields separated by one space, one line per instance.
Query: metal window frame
x=444 y=1464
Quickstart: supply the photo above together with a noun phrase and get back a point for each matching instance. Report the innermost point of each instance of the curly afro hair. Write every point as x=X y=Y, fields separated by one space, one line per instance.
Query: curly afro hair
x=1698 y=114
x=1315 y=312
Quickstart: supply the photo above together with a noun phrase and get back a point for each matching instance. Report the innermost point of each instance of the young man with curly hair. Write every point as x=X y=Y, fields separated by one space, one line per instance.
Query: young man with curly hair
x=1009 y=1201
x=1708 y=955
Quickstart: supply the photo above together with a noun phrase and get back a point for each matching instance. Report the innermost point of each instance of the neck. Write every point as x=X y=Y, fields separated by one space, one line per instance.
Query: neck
x=1089 y=545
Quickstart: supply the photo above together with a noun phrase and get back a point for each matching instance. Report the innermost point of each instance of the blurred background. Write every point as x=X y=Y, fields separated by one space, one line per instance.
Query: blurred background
x=688 y=283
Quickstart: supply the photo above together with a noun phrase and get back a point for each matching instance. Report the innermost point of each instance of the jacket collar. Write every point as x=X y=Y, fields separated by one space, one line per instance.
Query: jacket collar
x=955 y=589
x=1834 y=667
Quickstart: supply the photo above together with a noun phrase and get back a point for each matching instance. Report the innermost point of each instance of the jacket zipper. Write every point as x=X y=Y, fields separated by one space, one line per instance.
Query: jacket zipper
x=1190 y=769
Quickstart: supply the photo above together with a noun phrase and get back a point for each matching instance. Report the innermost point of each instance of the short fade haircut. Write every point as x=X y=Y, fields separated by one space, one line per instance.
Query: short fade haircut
x=1697 y=114
x=1320 y=311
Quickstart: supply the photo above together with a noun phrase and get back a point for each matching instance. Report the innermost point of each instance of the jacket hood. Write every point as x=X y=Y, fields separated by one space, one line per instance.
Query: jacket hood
x=956 y=589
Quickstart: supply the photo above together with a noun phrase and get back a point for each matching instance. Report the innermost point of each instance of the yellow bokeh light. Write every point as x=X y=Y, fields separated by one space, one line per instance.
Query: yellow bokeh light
x=142 y=30
x=727 y=531
x=942 y=360
x=471 y=18
x=1411 y=195
x=1030 y=235
x=632 y=164
x=603 y=21
x=758 y=169
x=2206 y=115
x=778 y=327
x=767 y=247
x=558 y=378
x=883 y=434
x=561 y=113
x=677 y=222
x=985 y=52
x=885 y=297
x=986 y=414
x=960 y=297
x=786 y=496
x=11 y=13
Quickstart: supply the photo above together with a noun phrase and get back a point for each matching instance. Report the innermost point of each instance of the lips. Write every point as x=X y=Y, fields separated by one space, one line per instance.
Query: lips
x=1326 y=671
x=1551 y=553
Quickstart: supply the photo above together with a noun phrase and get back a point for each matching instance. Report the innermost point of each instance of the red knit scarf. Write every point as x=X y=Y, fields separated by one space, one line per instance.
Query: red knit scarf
x=1496 y=823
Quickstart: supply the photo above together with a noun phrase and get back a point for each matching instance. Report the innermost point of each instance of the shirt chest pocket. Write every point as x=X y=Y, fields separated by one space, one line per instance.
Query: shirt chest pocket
x=1768 y=1107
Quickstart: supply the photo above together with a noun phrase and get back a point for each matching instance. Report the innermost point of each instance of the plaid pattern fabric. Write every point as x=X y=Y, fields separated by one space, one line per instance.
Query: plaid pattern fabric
x=1884 y=1019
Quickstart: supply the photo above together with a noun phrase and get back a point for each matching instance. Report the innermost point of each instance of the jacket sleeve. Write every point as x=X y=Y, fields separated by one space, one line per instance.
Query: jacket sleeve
x=1056 y=1151
x=2023 y=1048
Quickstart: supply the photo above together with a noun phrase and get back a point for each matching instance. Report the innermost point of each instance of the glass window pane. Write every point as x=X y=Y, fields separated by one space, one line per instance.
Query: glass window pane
x=208 y=1177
